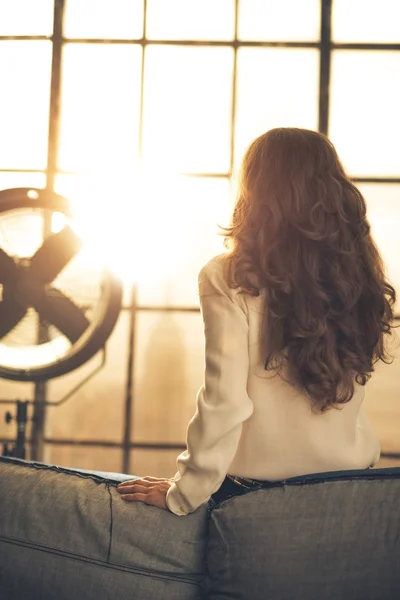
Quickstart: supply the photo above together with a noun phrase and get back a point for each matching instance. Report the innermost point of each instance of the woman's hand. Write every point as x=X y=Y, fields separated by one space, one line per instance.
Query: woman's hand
x=150 y=490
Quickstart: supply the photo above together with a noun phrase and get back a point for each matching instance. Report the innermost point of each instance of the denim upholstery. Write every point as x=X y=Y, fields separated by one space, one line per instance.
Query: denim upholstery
x=332 y=536
x=67 y=535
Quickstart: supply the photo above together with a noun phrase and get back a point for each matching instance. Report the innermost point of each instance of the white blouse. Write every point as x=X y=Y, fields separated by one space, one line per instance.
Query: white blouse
x=250 y=422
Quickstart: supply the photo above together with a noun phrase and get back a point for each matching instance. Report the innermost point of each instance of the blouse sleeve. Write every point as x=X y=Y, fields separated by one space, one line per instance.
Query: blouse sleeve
x=222 y=403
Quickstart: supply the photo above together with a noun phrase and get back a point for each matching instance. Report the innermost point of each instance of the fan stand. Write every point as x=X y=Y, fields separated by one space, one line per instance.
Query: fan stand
x=18 y=449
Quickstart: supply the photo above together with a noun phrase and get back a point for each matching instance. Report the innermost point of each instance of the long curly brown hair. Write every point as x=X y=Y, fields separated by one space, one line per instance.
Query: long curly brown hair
x=299 y=232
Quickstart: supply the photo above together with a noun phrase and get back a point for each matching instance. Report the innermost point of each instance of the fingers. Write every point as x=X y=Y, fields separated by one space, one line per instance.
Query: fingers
x=125 y=483
x=128 y=484
x=137 y=497
x=153 y=498
x=152 y=492
x=143 y=486
x=133 y=488
x=144 y=481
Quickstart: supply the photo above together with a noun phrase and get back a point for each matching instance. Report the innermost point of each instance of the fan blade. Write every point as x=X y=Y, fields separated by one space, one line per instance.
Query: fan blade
x=59 y=310
x=54 y=254
x=11 y=313
x=8 y=268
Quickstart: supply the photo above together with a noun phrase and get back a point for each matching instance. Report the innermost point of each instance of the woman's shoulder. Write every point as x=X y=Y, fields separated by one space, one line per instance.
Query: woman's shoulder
x=214 y=266
x=213 y=277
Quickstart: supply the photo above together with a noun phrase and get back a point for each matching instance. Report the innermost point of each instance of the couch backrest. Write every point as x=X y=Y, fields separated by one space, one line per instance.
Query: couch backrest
x=332 y=536
x=326 y=537
x=70 y=536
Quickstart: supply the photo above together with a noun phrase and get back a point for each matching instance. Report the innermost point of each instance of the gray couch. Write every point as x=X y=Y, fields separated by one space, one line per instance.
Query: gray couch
x=67 y=535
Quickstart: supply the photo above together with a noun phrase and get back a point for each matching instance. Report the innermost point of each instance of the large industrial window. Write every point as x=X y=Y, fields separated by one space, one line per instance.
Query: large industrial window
x=139 y=112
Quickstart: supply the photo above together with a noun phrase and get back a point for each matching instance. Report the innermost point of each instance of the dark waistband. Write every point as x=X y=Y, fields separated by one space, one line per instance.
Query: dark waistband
x=245 y=482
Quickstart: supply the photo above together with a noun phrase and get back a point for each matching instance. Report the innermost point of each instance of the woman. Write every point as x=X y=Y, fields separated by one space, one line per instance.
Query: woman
x=295 y=317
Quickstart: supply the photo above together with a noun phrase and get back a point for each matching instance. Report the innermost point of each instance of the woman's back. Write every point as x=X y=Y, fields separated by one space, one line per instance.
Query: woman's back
x=285 y=436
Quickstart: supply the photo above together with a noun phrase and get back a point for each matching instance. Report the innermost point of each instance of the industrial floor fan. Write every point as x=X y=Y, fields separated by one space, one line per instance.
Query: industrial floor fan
x=57 y=309
x=58 y=302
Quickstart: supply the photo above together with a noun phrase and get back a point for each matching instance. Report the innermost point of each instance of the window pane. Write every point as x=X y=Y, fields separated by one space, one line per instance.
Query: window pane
x=24 y=17
x=100 y=107
x=194 y=20
x=96 y=411
x=157 y=234
x=383 y=212
x=24 y=103
x=111 y=19
x=103 y=212
x=189 y=130
x=286 y=95
x=365 y=100
x=156 y=463
x=84 y=457
x=288 y=20
x=366 y=21
x=382 y=401
x=388 y=462
x=184 y=215
x=17 y=180
x=168 y=373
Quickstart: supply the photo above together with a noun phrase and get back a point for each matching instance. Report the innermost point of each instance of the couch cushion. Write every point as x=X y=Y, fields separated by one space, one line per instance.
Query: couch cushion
x=326 y=537
x=69 y=535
